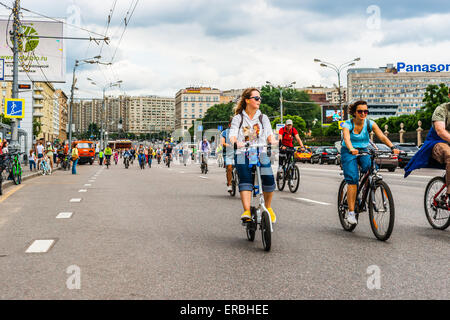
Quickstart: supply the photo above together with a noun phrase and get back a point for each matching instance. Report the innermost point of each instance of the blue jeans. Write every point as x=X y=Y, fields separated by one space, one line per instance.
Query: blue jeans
x=350 y=165
x=245 y=173
x=74 y=166
x=32 y=164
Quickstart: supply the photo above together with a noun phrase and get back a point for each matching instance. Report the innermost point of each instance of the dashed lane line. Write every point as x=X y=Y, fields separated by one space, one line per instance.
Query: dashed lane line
x=40 y=246
x=75 y=200
x=64 y=215
x=314 y=201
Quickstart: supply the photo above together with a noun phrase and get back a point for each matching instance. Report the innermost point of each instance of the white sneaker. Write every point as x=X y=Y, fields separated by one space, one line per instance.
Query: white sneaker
x=351 y=218
x=229 y=188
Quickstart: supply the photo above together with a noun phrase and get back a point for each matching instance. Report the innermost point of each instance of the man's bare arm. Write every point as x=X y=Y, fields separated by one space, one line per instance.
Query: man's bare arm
x=439 y=126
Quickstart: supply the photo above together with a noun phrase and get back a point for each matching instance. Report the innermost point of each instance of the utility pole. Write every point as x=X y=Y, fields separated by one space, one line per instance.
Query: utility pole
x=15 y=85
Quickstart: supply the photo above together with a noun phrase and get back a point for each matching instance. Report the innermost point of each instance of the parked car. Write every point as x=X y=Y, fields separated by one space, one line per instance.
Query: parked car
x=407 y=151
x=302 y=156
x=327 y=154
x=386 y=160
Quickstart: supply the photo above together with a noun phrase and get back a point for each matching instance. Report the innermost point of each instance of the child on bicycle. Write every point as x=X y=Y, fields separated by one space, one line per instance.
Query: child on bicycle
x=250 y=125
x=356 y=140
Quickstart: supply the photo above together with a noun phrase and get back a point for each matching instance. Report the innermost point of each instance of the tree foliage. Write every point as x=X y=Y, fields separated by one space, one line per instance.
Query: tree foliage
x=297 y=122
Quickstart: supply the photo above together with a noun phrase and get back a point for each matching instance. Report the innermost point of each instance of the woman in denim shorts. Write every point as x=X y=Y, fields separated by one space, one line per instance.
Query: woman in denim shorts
x=356 y=140
x=250 y=125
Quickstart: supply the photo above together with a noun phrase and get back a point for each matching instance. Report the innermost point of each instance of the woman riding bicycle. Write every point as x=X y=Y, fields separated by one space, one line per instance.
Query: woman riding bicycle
x=356 y=140
x=250 y=125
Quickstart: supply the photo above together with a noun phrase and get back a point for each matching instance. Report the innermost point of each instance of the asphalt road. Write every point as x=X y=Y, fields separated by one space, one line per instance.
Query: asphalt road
x=175 y=234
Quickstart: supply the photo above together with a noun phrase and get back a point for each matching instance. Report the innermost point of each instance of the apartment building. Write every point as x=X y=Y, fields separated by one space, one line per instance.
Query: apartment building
x=192 y=103
x=63 y=115
x=150 y=114
x=321 y=94
x=385 y=85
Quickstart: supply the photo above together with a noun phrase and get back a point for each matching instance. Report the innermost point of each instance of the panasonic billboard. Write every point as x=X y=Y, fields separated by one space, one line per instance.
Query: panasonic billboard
x=401 y=66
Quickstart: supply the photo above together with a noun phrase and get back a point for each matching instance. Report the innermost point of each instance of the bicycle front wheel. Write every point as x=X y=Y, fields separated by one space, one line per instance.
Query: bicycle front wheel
x=436 y=207
x=234 y=183
x=294 y=179
x=343 y=208
x=381 y=211
x=15 y=175
x=266 y=233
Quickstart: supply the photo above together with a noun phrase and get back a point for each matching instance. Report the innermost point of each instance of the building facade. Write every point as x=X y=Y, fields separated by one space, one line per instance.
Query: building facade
x=150 y=114
x=325 y=95
x=386 y=86
x=63 y=115
x=192 y=103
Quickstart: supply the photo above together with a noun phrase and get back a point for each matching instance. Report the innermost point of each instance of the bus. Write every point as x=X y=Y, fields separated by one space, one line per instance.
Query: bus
x=120 y=144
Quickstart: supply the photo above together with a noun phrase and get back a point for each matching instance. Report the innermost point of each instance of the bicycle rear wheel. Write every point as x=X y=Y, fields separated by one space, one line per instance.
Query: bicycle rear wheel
x=266 y=233
x=294 y=179
x=234 y=183
x=436 y=210
x=15 y=175
x=381 y=211
x=1 y=183
x=343 y=208
x=281 y=181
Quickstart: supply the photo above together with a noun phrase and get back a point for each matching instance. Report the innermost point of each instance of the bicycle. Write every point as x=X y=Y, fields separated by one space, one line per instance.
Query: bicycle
x=16 y=168
x=437 y=209
x=204 y=164
x=126 y=161
x=260 y=214
x=3 y=166
x=290 y=172
x=375 y=193
x=234 y=181
x=107 y=161
x=66 y=163
x=141 y=159
x=168 y=159
x=220 y=161
x=44 y=167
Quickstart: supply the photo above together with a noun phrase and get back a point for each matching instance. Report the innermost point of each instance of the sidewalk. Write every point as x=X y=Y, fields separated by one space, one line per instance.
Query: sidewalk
x=26 y=174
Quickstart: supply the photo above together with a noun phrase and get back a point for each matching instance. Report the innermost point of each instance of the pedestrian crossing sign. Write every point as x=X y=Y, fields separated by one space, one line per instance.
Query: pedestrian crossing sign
x=14 y=108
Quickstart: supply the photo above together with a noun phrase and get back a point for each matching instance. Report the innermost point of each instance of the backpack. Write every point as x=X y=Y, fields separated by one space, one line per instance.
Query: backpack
x=353 y=126
x=260 y=120
x=292 y=133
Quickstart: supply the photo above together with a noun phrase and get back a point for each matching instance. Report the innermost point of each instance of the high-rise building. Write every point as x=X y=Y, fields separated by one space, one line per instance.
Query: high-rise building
x=192 y=103
x=385 y=85
x=150 y=114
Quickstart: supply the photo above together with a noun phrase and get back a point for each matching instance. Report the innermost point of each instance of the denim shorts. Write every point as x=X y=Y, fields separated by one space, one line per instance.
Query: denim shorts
x=245 y=173
x=350 y=165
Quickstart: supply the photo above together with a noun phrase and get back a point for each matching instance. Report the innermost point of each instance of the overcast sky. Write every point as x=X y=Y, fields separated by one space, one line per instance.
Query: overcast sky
x=171 y=44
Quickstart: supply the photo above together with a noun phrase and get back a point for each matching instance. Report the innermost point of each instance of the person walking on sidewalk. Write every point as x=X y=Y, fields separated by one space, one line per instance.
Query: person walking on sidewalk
x=40 y=153
x=74 y=159
x=32 y=160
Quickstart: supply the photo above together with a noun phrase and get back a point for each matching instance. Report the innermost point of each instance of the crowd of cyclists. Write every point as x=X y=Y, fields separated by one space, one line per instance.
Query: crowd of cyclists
x=250 y=127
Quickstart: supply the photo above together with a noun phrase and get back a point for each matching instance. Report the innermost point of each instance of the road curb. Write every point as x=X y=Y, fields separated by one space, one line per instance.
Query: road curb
x=9 y=183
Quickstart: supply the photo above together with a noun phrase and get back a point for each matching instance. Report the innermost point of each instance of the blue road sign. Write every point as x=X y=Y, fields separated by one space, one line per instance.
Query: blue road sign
x=14 y=108
x=220 y=128
x=200 y=128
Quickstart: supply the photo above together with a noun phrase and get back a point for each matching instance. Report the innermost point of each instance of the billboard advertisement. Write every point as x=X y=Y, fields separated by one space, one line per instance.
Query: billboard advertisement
x=332 y=113
x=41 y=50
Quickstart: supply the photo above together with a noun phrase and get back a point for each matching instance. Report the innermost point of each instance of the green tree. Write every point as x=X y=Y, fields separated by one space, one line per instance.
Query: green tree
x=332 y=130
x=435 y=95
x=308 y=110
x=4 y=120
x=297 y=122
x=37 y=127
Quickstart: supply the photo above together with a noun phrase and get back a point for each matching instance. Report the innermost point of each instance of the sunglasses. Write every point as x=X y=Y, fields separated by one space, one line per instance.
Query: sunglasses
x=256 y=98
x=363 y=111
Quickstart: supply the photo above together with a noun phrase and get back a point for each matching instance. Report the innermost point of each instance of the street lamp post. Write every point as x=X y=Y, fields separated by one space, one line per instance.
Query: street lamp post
x=281 y=95
x=109 y=85
x=74 y=80
x=338 y=70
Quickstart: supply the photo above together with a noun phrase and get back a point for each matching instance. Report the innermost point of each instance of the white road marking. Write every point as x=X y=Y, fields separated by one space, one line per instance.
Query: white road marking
x=75 y=200
x=203 y=177
x=91 y=180
x=314 y=201
x=181 y=171
x=82 y=190
x=64 y=215
x=40 y=246
x=88 y=185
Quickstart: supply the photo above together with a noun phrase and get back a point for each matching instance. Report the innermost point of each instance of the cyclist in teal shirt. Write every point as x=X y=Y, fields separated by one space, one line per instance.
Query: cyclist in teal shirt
x=356 y=140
